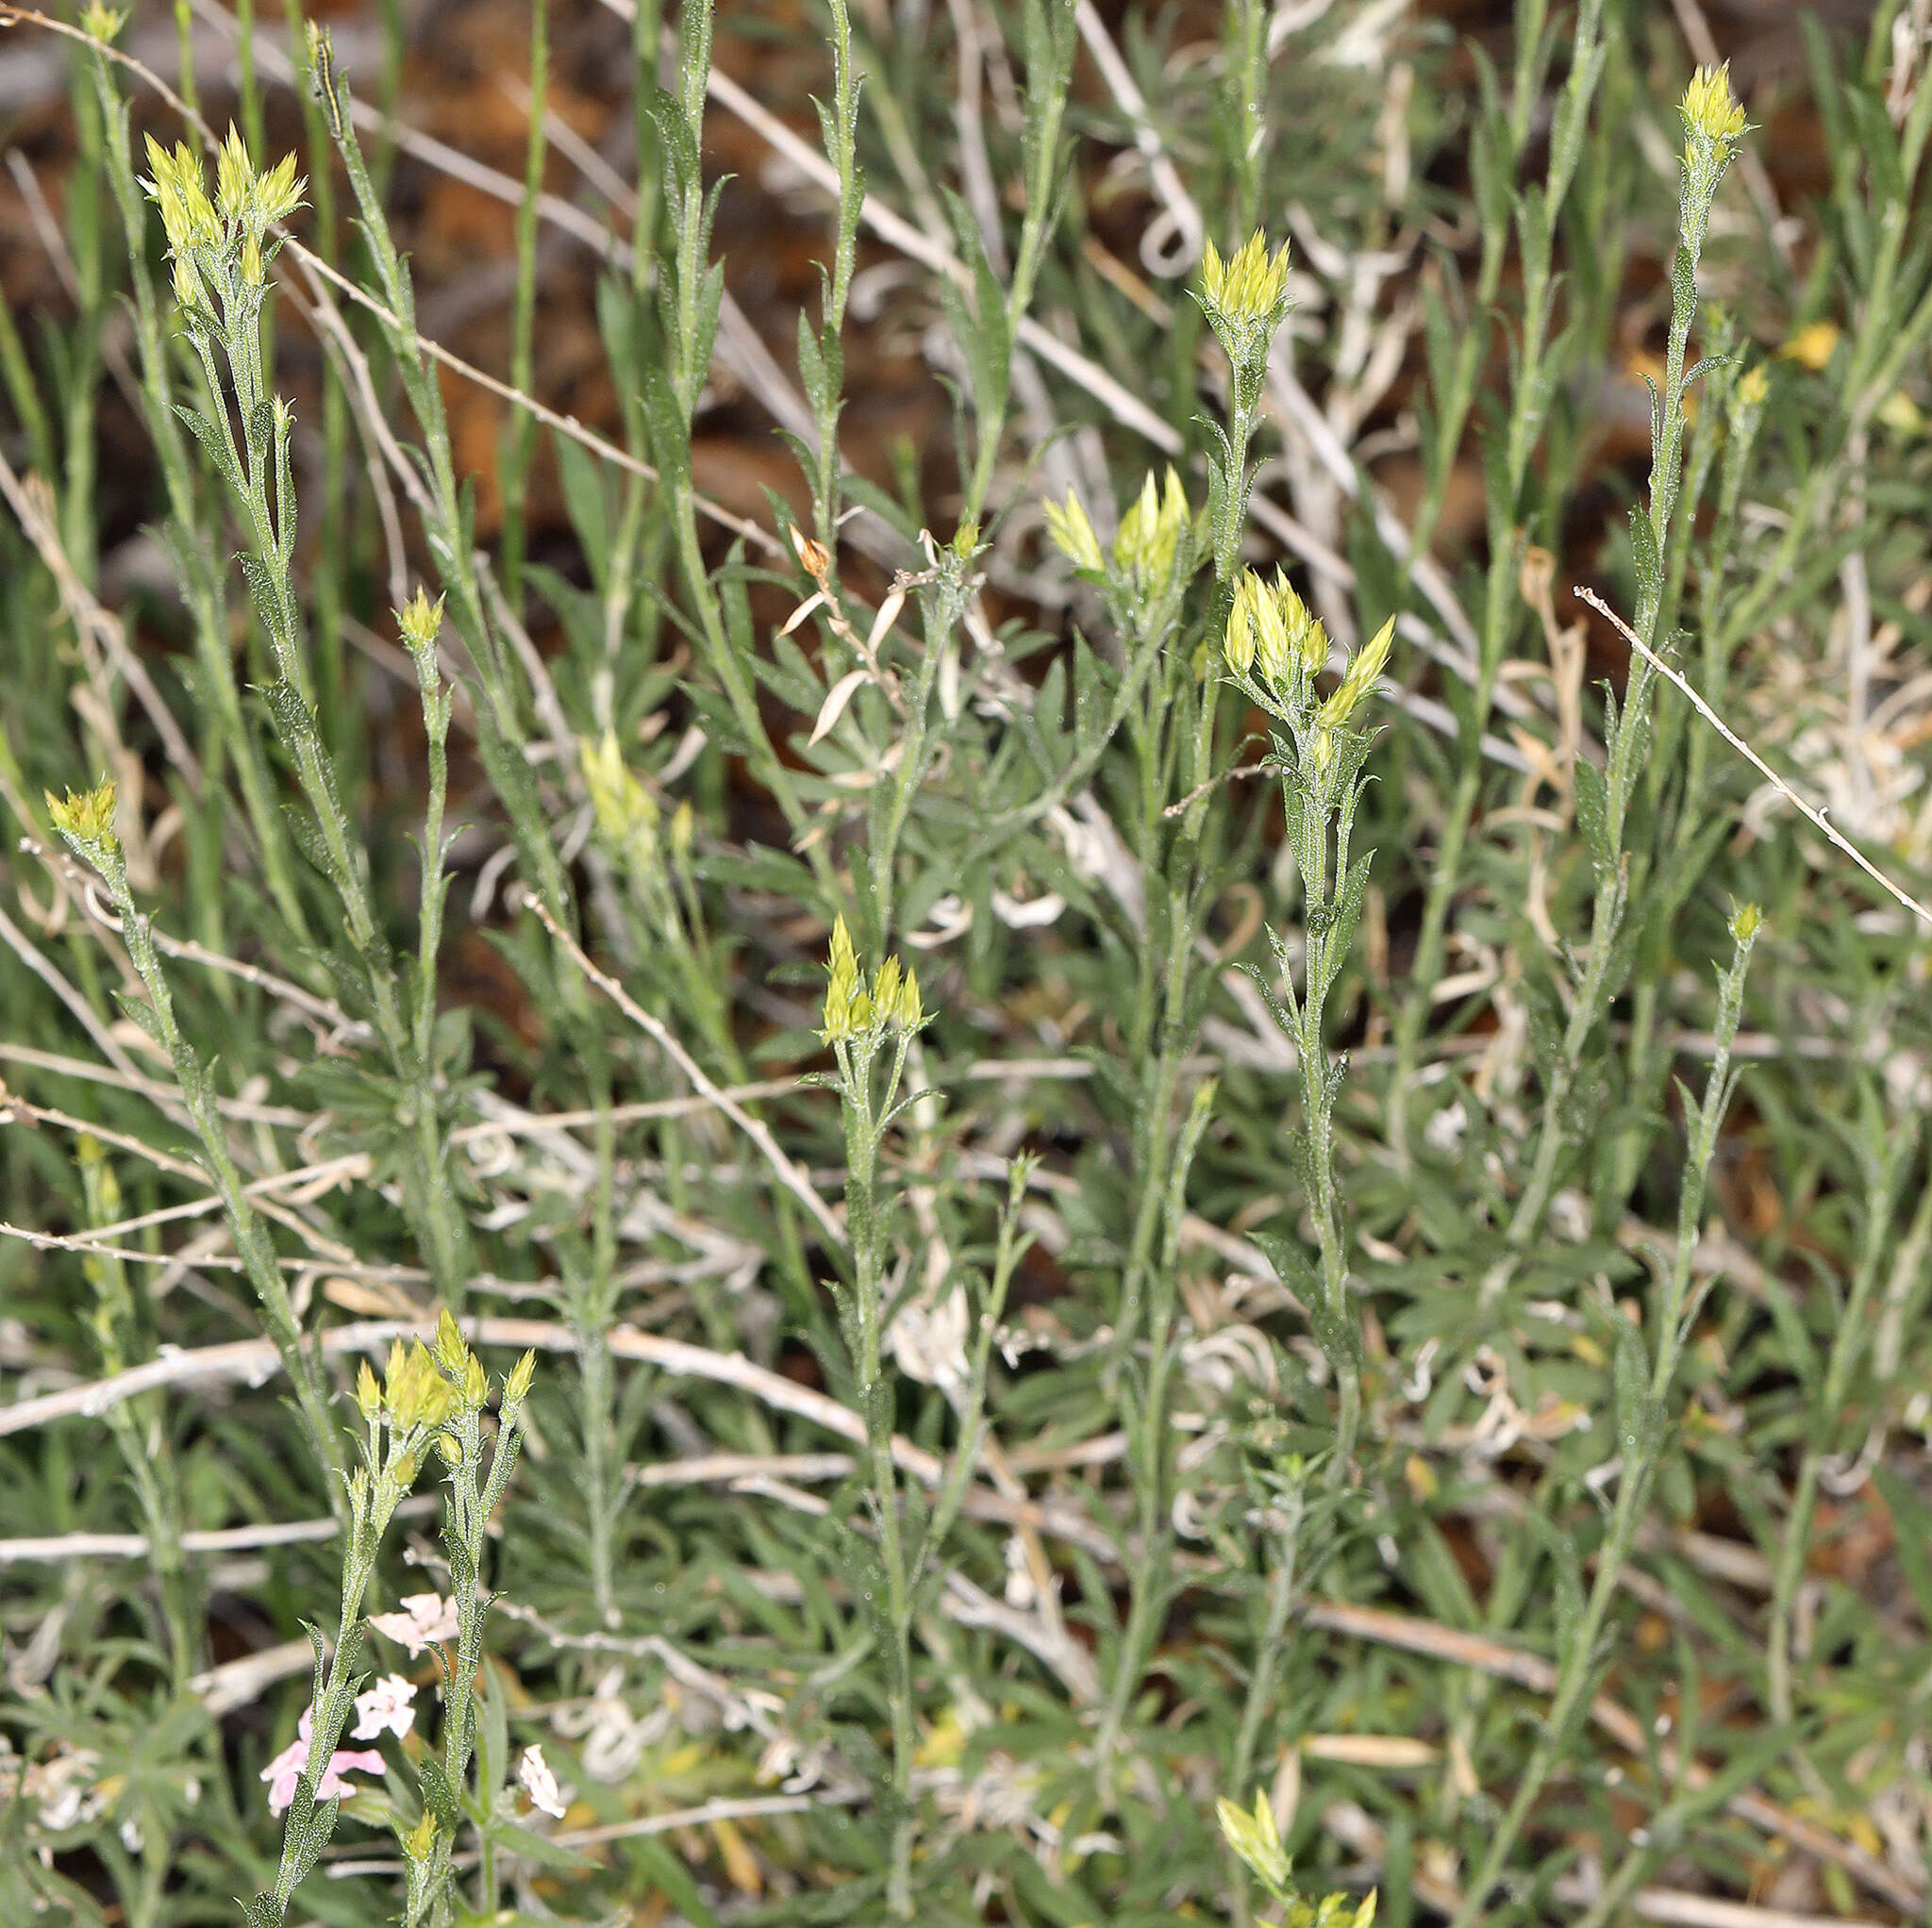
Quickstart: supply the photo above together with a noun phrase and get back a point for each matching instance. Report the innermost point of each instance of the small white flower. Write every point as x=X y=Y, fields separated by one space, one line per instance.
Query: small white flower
x=1029 y=914
x=385 y=1708
x=63 y=1787
x=1021 y=1590
x=928 y=1341
x=1570 y=1216
x=425 y=1619
x=535 y=1778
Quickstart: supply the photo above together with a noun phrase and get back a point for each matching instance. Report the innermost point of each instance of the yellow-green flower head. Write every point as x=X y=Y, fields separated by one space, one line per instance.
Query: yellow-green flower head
x=1753 y=387
x=625 y=812
x=910 y=1014
x=885 y=987
x=1271 y=630
x=103 y=24
x=84 y=815
x=1710 y=106
x=173 y=183
x=1248 y=623
x=414 y=1393
x=1710 y=111
x=368 y=1395
x=1331 y=1911
x=848 y=1005
x=450 y=1352
x=1152 y=530
x=234 y=177
x=419 y=622
x=1255 y=1837
x=1248 y=286
x=1072 y=535
x=189 y=292
x=1746 y=921
x=516 y=1388
x=1307 y=641
x=279 y=193
x=1360 y=678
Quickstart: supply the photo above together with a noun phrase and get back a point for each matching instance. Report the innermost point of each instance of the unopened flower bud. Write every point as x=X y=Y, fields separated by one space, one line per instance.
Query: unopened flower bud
x=419 y=622
x=910 y=1014
x=1249 y=286
x=1152 y=532
x=448 y=1347
x=234 y=177
x=1073 y=536
x=277 y=193
x=625 y=812
x=86 y=818
x=1710 y=111
x=884 y=989
x=516 y=1388
x=1255 y=1837
x=848 y=1009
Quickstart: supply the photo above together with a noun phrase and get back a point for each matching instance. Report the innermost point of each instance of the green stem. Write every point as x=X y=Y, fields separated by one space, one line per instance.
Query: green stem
x=516 y=454
x=1640 y=1443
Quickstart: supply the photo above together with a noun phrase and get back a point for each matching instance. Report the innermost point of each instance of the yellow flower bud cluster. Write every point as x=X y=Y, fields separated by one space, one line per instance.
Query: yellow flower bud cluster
x=1256 y=1839
x=1244 y=299
x=1334 y=714
x=1148 y=547
x=853 y=1011
x=207 y=236
x=1154 y=540
x=1249 y=286
x=1073 y=535
x=414 y=1394
x=1364 y=666
x=1713 y=120
x=423 y=1388
x=626 y=812
x=1271 y=634
x=86 y=818
x=419 y=622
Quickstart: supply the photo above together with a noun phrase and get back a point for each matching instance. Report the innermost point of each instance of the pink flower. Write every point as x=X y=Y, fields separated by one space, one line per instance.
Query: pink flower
x=385 y=1708
x=284 y=1773
x=341 y=1764
x=425 y=1619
